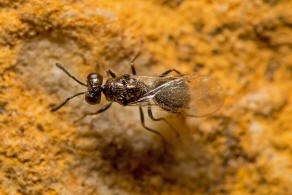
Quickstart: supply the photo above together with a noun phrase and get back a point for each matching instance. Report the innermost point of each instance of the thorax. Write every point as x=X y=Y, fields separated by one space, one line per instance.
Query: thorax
x=124 y=89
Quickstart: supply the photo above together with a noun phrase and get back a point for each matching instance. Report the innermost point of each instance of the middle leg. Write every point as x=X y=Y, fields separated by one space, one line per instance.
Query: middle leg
x=169 y=71
x=135 y=57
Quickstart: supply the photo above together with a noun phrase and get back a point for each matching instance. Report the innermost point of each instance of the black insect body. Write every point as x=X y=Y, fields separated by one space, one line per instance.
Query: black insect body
x=124 y=89
x=173 y=98
x=94 y=85
x=192 y=95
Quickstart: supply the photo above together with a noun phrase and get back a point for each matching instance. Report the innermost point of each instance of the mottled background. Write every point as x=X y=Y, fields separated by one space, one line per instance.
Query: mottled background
x=245 y=148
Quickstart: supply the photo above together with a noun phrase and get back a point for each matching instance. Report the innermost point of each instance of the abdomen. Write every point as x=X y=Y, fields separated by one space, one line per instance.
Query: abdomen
x=172 y=96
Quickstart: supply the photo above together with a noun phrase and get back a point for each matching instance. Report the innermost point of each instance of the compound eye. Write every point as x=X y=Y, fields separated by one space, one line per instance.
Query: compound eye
x=92 y=76
x=94 y=79
x=92 y=99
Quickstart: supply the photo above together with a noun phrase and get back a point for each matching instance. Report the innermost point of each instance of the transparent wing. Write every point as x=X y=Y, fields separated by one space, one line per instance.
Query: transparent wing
x=207 y=96
x=193 y=95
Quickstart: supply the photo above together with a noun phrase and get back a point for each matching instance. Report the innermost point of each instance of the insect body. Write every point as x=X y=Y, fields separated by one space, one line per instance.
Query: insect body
x=124 y=89
x=191 y=95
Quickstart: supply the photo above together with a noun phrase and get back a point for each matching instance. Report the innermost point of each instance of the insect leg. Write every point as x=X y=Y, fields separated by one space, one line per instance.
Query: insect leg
x=149 y=129
x=70 y=75
x=169 y=71
x=150 y=114
x=133 y=61
x=113 y=75
x=133 y=69
x=102 y=109
x=68 y=99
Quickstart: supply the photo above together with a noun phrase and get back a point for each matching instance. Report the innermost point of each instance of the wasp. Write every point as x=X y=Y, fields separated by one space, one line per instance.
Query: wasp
x=192 y=95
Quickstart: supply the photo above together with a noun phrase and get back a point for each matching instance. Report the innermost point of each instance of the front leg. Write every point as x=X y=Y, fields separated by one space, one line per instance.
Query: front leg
x=111 y=73
x=132 y=63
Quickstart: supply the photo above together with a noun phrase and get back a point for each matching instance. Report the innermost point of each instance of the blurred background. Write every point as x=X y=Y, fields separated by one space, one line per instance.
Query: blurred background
x=245 y=148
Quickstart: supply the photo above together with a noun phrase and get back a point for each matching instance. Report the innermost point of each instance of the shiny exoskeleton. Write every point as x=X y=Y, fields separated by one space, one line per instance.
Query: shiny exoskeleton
x=192 y=95
x=173 y=98
x=125 y=90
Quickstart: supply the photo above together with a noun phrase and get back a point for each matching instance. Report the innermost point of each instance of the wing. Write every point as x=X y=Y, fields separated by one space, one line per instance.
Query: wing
x=193 y=95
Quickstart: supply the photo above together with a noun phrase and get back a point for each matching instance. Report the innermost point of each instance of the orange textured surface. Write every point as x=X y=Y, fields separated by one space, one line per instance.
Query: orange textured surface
x=245 y=148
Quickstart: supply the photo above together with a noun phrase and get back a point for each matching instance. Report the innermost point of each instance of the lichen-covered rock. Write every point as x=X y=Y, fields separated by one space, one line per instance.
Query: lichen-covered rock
x=245 y=148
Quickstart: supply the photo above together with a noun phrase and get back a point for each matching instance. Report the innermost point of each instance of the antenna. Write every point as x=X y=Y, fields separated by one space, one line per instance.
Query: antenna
x=70 y=75
x=68 y=99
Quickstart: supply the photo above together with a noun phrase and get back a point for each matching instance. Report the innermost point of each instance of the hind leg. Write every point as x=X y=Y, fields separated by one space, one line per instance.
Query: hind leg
x=150 y=114
x=151 y=130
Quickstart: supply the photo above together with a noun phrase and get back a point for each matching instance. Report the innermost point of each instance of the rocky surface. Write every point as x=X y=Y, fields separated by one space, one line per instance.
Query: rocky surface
x=245 y=148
